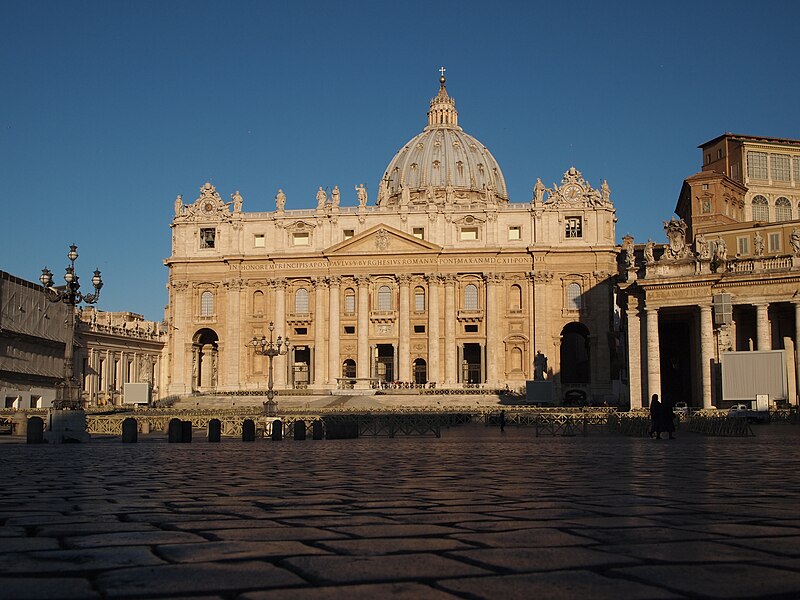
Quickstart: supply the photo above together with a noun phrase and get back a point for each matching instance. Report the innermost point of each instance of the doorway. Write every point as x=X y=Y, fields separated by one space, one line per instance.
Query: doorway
x=385 y=363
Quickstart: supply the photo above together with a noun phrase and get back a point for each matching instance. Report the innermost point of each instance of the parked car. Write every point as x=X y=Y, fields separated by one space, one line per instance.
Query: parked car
x=681 y=409
x=738 y=410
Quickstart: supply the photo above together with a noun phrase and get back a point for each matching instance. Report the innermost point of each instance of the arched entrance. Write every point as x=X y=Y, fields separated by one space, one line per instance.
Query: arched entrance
x=349 y=368
x=575 y=363
x=205 y=351
x=420 y=371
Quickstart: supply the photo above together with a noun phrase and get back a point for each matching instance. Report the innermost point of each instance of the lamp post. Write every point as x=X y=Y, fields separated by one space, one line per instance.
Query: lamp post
x=270 y=349
x=68 y=391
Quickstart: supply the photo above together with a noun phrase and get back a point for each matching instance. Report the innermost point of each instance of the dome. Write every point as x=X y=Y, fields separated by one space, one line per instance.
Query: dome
x=443 y=163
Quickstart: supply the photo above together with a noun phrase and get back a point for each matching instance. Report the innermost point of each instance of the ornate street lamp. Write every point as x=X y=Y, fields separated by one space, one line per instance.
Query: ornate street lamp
x=68 y=391
x=270 y=349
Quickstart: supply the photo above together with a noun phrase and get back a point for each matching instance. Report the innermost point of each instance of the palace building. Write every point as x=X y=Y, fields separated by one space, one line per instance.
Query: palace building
x=443 y=280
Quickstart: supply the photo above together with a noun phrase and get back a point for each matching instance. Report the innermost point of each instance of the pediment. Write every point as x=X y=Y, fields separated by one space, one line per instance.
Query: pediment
x=381 y=239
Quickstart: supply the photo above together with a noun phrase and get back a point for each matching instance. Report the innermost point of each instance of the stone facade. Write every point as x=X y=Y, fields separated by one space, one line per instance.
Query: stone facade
x=444 y=280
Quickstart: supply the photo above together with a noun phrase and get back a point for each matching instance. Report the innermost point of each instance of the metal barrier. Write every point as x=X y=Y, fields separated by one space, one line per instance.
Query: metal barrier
x=720 y=425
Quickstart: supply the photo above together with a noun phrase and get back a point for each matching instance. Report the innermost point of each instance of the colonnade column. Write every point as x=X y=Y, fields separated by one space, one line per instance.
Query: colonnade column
x=634 y=352
x=653 y=353
x=362 y=366
x=762 y=327
x=320 y=287
x=706 y=353
x=433 y=327
x=494 y=350
x=450 y=329
x=404 y=330
x=334 y=282
x=279 y=368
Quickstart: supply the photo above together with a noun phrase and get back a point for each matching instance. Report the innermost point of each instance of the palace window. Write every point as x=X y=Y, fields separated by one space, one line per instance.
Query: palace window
x=756 y=165
x=574 y=296
x=301 y=330
x=419 y=299
x=574 y=227
x=384 y=298
x=350 y=329
x=349 y=301
x=469 y=234
x=258 y=302
x=259 y=241
x=418 y=232
x=783 y=209
x=796 y=169
x=760 y=209
x=780 y=167
x=301 y=238
x=208 y=237
x=743 y=245
x=419 y=328
x=207 y=304
x=774 y=242
x=301 y=301
x=470 y=329
x=471 y=297
x=514 y=233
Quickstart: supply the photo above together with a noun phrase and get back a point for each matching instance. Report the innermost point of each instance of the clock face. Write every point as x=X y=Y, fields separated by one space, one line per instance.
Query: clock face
x=572 y=193
x=208 y=207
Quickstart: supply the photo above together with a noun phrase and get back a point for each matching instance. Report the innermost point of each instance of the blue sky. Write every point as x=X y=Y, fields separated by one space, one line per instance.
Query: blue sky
x=110 y=109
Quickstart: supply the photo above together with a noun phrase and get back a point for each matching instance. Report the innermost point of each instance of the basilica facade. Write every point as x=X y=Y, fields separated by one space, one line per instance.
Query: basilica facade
x=443 y=280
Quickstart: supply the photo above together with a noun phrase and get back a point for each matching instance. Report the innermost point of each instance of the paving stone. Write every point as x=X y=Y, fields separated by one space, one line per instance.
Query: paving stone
x=556 y=585
x=213 y=551
x=524 y=560
x=524 y=538
x=27 y=544
x=642 y=535
x=36 y=588
x=232 y=523
x=785 y=545
x=396 y=567
x=395 y=591
x=741 y=580
x=132 y=538
x=397 y=530
x=274 y=533
x=378 y=546
x=170 y=580
x=688 y=552
x=76 y=561
x=90 y=528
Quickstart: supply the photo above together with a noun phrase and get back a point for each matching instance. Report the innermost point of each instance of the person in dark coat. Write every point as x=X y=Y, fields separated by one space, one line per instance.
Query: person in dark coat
x=668 y=418
x=655 y=417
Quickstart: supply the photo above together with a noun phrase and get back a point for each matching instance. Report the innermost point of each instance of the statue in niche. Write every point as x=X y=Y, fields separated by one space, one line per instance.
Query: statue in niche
x=758 y=244
x=280 y=200
x=794 y=240
x=237 y=202
x=405 y=195
x=335 y=197
x=449 y=194
x=605 y=192
x=539 y=366
x=361 y=191
x=538 y=191
x=649 y=258
x=178 y=205
x=322 y=198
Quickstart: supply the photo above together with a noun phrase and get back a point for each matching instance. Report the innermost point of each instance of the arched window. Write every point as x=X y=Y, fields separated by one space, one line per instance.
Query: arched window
x=207 y=304
x=301 y=301
x=471 y=297
x=783 y=209
x=258 y=302
x=419 y=299
x=574 y=296
x=420 y=371
x=349 y=368
x=760 y=209
x=384 y=298
x=349 y=301
x=515 y=298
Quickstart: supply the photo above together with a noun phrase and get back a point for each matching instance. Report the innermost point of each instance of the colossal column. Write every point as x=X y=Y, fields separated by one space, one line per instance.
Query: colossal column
x=334 y=281
x=762 y=326
x=706 y=353
x=362 y=367
x=279 y=367
x=235 y=347
x=634 y=352
x=449 y=329
x=494 y=351
x=653 y=353
x=181 y=345
x=433 y=327
x=320 y=287
x=404 y=329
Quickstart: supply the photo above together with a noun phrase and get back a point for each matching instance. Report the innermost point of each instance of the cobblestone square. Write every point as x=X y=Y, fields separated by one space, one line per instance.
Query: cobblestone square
x=474 y=514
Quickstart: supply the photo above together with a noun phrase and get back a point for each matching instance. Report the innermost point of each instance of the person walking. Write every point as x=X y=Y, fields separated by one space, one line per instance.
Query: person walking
x=668 y=418
x=655 y=417
x=502 y=420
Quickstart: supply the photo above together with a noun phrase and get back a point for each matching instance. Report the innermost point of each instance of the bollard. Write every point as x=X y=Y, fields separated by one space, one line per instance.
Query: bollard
x=145 y=427
x=130 y=431
x=175 y=431
x=300 y=430
x=186 y=432
x=277 y=430
x=214 y=430
x=248 y=430
x=35 y=433
x=316 y=430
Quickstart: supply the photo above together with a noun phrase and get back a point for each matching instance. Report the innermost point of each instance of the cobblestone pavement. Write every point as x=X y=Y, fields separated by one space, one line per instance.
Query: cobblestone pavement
x=475 y=514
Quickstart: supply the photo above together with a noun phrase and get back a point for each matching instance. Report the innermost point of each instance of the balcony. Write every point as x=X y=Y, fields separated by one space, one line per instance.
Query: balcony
x=470 y=316
x=299 y=319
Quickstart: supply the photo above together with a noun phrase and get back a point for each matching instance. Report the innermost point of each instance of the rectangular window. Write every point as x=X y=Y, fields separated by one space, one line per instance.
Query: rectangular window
x=780 y=164
x=719 y=153
x=742 y=245
x=301 y=330
x=349 y=233
x=419 y=328
x=469 y=234
x=259 y=241
x=796 y=169
x=756 y=165
x=350 y=304
x=735 y=172
x=470 y=329
x=350 y=329
x=775 y=242
x=574 y=227
x=208 y=238
x=300 y=238
x=708 y=158
x=418 y=232
x=705 y=186
x=514 y=233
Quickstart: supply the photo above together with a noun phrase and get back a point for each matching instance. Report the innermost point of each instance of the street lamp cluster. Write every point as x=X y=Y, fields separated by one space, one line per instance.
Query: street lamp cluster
x=270 y=349
x=68 y=391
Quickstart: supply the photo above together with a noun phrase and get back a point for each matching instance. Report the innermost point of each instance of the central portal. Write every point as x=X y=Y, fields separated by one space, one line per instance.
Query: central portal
x=471 y=365
x=385 y=362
